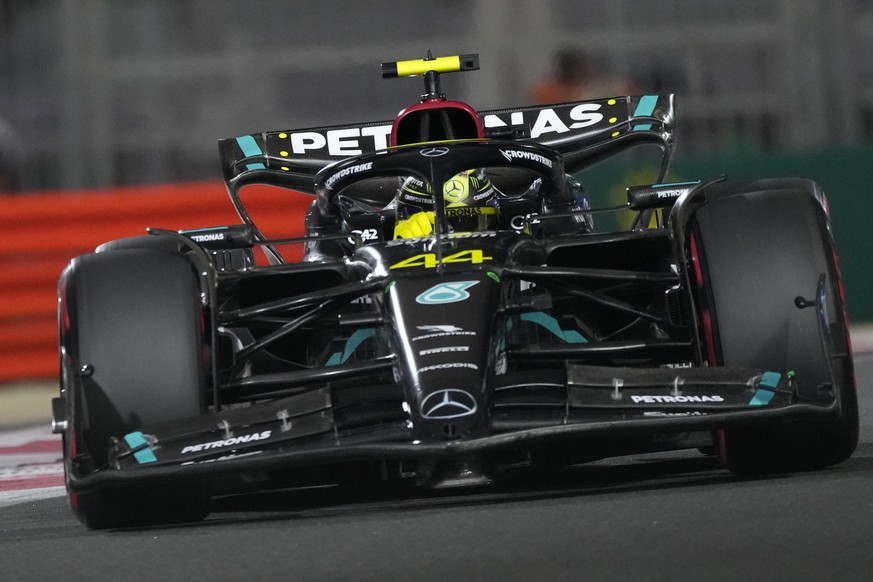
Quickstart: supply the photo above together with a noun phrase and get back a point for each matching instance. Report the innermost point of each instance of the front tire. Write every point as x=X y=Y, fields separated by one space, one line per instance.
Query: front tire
x=133 y=354
x=759 y=248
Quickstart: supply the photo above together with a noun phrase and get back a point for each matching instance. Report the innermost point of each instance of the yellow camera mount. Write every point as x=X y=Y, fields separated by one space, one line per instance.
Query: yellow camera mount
x=431 y=67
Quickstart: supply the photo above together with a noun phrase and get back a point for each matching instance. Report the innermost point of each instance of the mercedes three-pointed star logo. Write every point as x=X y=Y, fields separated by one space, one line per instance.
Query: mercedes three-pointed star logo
x=453 y=188
x=434 y=152
x=448 y=403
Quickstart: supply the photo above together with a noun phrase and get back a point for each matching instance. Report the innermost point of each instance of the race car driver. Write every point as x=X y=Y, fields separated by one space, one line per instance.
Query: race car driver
x=471 y=205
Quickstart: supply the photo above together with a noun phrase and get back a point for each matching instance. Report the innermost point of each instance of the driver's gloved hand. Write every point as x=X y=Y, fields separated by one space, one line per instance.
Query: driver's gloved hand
x=418 y=225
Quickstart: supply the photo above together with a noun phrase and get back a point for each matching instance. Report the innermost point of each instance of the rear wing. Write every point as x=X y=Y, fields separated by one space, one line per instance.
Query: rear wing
x=583 y=131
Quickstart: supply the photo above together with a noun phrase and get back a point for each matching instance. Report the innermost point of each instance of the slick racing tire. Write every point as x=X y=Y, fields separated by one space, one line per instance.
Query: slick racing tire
x=757 y=249
x=143 y=242
x=132 y=354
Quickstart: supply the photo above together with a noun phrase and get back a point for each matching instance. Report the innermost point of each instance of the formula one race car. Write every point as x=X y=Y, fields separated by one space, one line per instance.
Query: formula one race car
x=453 y=339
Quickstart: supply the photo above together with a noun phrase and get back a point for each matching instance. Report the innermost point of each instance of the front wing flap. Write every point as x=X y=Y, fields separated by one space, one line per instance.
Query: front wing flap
x=702 y=389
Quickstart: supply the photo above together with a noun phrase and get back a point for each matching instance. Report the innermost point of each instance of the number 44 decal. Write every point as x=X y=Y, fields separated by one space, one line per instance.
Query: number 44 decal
x=429 y=260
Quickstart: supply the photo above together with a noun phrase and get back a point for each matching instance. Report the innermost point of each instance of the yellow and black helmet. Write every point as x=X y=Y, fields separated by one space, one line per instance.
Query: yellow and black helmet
x=470 y=197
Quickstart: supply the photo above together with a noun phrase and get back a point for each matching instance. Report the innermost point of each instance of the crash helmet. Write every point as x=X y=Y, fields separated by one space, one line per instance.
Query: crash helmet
x=470 y=197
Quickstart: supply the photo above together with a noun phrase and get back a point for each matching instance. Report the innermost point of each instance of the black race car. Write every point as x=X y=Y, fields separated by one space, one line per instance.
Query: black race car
x=515 y=336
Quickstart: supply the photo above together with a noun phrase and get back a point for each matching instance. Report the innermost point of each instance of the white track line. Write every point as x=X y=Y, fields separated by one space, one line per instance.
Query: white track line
x=29 y=456
x=8 y=498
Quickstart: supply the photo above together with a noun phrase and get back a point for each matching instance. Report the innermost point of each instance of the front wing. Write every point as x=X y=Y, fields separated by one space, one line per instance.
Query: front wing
x=589 y=401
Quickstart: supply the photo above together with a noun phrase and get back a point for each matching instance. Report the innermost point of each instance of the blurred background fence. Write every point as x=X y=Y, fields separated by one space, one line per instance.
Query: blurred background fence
x=102 y=94
x=105 y=92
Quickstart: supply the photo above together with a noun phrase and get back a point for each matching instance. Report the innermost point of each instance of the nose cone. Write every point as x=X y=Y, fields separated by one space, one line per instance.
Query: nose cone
x=444 y=329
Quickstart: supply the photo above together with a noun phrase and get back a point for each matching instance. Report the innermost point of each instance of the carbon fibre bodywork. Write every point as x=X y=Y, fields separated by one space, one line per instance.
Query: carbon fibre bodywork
x=422 y=353
x=454 y=357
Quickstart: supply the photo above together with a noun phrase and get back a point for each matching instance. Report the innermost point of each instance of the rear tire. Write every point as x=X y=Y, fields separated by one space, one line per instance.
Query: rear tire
x=133 y=349
x=759 y=248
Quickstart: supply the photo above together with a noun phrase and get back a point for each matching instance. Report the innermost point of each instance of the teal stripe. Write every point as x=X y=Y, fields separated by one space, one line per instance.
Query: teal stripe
x=551 y=324
x=355 y=340
x=645 y=108
x=136 y=439
x=762 y=396
x=675 y=184
x=208 y=228
x=250 y=148
x=770 y=379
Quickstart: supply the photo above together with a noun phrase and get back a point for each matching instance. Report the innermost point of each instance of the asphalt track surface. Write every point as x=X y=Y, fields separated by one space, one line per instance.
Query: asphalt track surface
x=666 y=517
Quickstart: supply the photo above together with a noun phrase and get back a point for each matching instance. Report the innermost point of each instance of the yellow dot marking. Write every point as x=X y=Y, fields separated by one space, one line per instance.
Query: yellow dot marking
x=285 y=168
x=615 y=133
x=283 y=135
x=613 y=119
x=611 y=102
x=283 y=153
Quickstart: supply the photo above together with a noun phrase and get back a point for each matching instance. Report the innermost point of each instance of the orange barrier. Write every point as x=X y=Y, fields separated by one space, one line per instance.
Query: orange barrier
x=43 y=231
